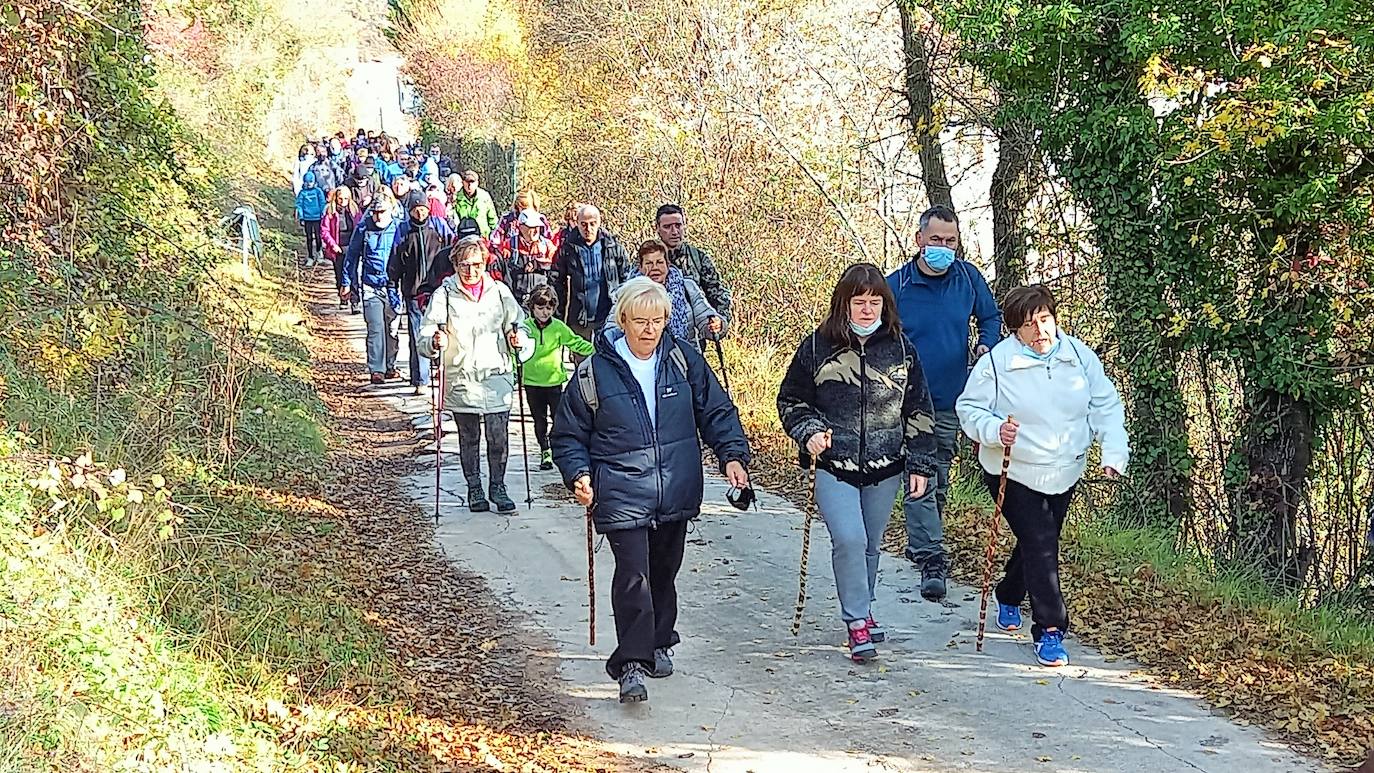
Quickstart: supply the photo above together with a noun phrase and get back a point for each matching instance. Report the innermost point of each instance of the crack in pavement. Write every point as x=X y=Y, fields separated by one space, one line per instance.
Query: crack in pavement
x=1122 y=724
x=711 y=736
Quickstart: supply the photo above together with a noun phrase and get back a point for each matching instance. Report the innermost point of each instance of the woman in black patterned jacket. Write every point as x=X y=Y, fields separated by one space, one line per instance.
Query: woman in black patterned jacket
x=855 y=398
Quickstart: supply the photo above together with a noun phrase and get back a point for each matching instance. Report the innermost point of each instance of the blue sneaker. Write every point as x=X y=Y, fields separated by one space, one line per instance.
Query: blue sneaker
x=1050 y=649
x=1009 y=617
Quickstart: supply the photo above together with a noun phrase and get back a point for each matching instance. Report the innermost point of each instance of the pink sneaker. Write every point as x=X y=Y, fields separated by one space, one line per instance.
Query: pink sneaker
x=875 y=631
x=861 y=649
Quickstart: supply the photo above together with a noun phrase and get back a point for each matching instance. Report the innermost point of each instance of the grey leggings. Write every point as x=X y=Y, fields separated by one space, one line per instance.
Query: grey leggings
x=856 y=518
x=470 y=427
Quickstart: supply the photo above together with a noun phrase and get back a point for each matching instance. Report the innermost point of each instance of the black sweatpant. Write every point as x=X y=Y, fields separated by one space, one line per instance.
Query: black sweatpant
x=644 y=592
x=543 y=404
x=470 y=426
x=314 y=246
x=1037 y=520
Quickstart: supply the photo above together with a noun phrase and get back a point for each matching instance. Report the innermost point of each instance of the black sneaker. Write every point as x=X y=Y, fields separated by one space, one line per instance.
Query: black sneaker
x=355 y=308
x=663 y=663
x=933 y=574
x=500 y=498
x=632 y=689
x=477 y=501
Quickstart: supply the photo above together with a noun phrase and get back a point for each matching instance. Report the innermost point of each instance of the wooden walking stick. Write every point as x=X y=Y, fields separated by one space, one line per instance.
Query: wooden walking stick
x=806 y=548
x=992 y=543
x=591 y=583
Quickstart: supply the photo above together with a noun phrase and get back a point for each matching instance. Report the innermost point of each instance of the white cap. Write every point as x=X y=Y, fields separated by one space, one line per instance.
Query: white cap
x=531 y=218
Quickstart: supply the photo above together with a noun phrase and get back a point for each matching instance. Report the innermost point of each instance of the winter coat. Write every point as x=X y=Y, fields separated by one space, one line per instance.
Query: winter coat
x=413 y=254
x=528 y=268
x=389 y=172
x=310 y=202
x=478 y=362
x=872 y=396
x=545 y=366
x=935 y=311
x=298 y=173
x=429 y=172
x=641 y=475
x=370 y=245
x=568 y=276
x=336 y=229
x=698 y=266
x=327 y=174
x=479 y=207
x=364 y=188
x=1062 y=404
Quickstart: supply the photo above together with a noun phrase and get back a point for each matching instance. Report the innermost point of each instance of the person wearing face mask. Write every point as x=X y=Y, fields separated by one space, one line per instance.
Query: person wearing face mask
x=1055 y=387
x=544 y=373
x=855 y=400
x=937 y=293
x=369 y=251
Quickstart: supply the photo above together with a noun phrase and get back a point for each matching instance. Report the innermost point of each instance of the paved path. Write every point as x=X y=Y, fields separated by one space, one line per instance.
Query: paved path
x=750 y=697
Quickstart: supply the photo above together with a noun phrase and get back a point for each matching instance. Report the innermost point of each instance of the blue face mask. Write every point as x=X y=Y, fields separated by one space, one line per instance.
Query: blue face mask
x=938 y=258
x=863 y=331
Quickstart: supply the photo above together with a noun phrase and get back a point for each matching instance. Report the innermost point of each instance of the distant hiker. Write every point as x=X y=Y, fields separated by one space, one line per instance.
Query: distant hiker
x=336 y=229
x=632 y=422
x=327 y=174
x=419 y=239
x=671 y=224
x=506 y=228
x=528 y=258
x=429 y=169
x=474 y=202
x=438 y=202
x=364 y=183
x=452 y=184
x=544 y=373
x=387 y=168
x=339 y=158
x=586 y=271
x=568 y=225
x=471 y=319
x=937 y=294
x=693 y=319
x=855 y=399
x=400 y=186
x=310 y=204
x=1055 y=387
x=368 y=253
x=305 y=157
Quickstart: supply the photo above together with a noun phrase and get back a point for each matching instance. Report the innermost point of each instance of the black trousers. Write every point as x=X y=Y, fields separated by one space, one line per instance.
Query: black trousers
x=543 y=404
x=470 y=430
x=1037 y=520
x=644 y=592
x=314 y=246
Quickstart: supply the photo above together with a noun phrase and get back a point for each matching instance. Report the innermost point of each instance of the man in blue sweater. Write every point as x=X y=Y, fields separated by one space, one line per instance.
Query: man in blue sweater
x=937 y=294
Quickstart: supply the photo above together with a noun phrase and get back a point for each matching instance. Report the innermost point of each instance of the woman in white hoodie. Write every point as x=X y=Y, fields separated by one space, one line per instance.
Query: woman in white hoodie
x=1055 y=387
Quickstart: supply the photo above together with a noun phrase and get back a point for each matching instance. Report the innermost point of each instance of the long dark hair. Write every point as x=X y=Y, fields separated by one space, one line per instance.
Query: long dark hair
x=859 y=279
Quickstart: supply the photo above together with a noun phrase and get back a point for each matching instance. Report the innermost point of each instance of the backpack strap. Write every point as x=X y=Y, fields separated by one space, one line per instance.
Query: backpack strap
x=679 y=359
x=586 y=383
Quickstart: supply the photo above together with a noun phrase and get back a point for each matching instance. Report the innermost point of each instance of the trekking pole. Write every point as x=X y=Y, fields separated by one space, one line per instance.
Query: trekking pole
x=591 y=583
x=992 y=544
x=724 y=374
x=806 y=547
x=524 y=443
x=436 y=386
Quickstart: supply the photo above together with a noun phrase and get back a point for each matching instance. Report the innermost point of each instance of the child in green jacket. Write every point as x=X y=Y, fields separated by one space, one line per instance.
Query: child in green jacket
x=544 y=371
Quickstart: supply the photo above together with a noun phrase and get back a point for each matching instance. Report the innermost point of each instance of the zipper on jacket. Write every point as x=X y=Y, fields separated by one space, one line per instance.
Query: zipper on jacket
x=863 y=411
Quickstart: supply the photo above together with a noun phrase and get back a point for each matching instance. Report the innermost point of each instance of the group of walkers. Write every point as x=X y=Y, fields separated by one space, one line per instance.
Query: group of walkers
x=876 y=397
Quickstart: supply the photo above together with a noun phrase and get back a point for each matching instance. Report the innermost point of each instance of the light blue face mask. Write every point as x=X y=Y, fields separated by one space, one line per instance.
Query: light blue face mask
x=938 y=258
x=864 y=331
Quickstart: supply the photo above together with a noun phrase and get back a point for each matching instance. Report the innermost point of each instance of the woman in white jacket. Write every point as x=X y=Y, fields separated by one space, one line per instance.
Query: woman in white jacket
x=472 y=320
x=1055 y=387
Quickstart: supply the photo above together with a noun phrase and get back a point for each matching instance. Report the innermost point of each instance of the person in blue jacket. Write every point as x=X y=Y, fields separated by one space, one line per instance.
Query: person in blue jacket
x=937 y=294
x=371 y=246
x=627 y=440
x=310 y=203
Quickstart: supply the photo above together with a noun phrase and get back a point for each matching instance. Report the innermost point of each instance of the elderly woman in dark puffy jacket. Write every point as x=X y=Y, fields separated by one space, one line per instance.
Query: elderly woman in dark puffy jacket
x=855 y=398
x=625 y=439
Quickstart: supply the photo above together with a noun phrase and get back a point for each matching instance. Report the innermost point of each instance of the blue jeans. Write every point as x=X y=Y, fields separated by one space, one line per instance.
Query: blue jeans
x=419 y=366
x=924 y=533
x=856 y=518
x=381 y=319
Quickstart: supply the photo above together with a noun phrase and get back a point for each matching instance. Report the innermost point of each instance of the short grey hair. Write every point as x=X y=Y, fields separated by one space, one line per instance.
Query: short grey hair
x=586 y=209
x=639 y=295
x=938 y=212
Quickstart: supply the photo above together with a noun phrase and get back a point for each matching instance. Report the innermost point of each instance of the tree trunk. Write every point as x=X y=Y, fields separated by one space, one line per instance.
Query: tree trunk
x=1277 y=448
x=1014 y=181
x=920 y=92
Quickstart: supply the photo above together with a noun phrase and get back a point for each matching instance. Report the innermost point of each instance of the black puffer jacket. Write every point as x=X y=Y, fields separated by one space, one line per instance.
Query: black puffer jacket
x=872 y=397
x=641 y=477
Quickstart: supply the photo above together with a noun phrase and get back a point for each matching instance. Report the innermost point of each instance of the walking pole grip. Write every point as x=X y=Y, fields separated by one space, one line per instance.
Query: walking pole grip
x=992 y=543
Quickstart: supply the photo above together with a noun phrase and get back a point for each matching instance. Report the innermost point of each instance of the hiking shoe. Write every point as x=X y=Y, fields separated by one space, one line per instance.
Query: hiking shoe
x=1049 y=651
x=1009 y=617
x=393 y=374
x=546 y=460
x=355 y=309
x=499 y=497
x=933 y=573
x=663 y=663
x=419 y=390
x=861 y=649
x=875 y=631
x=632 y=689
x=377 y=378
x=477 y=501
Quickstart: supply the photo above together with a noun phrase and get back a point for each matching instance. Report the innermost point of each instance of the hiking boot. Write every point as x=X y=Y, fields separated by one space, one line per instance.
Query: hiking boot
x=875 y=631
x=377 y=378
x=393 y=374
x=933 y=573
x=1008 y=617
x=663 y=663
x=477 y=501
x=632 y=689
x=546 y=460
x=861 y=649
x=355 y=309
x=1049 y=651
x=499 y=497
